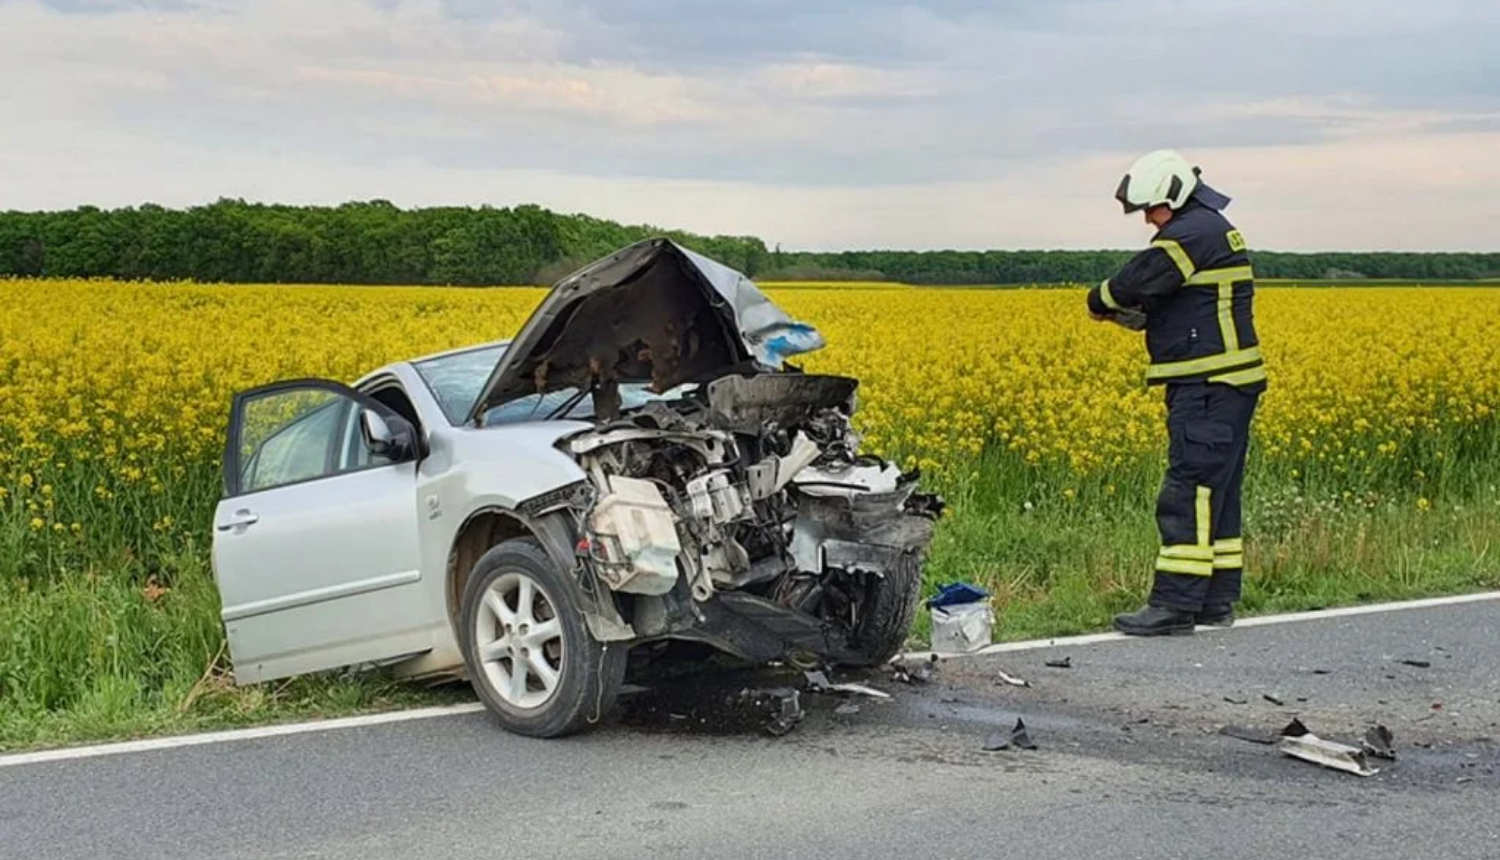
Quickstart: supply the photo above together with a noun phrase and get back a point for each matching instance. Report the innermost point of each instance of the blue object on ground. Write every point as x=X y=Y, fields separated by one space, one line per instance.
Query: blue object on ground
x=957 y=593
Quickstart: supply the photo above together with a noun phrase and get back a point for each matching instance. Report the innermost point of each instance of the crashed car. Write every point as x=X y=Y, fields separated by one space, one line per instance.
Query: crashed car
x=639 y=469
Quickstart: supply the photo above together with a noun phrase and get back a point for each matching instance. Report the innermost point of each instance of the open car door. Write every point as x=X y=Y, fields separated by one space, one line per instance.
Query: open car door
x=315 y=546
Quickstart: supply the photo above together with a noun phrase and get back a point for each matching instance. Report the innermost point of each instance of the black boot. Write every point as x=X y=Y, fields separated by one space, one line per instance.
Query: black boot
x=1156 y=621
x=1216 y=615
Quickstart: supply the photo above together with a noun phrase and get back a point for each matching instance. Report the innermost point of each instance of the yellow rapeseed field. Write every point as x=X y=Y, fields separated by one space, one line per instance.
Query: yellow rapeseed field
x=115 y=395
x=1373 y=474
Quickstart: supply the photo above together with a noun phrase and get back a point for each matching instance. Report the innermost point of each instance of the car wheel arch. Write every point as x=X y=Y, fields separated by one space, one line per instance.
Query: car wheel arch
x=488 y=527
x=481 y=530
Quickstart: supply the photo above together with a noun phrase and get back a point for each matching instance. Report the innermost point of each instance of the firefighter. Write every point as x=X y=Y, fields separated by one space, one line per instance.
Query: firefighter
x=1192 y=292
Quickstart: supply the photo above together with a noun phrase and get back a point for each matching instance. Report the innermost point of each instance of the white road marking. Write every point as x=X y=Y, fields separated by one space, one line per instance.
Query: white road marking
x=1258 y=621
x=237 y=735
x=175 y=741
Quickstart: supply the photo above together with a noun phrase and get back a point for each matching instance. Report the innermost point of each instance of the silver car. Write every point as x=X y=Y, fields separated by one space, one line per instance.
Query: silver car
x=639 y=475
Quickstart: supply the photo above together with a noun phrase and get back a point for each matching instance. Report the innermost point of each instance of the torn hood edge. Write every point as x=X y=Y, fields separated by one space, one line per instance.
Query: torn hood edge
x=766 y=334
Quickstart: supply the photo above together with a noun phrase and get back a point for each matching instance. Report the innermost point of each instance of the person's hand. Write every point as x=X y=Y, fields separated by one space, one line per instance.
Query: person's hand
x=1130 y=318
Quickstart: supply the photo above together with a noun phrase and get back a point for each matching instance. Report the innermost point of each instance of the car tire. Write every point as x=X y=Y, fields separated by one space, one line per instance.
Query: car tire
x=889 y=607
x=520 y=609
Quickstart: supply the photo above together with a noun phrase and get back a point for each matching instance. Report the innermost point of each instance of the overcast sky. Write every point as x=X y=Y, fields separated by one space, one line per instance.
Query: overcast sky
x=1346 y=124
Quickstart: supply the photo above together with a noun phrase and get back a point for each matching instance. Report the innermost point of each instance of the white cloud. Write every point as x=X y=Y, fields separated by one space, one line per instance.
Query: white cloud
x=897 y=127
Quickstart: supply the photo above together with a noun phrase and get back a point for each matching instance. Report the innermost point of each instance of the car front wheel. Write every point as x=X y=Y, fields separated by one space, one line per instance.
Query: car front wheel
x=530 y=657
x=889 y=608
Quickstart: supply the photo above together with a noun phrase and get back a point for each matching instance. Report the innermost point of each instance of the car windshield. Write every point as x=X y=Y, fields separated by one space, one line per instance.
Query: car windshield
x=456 y=381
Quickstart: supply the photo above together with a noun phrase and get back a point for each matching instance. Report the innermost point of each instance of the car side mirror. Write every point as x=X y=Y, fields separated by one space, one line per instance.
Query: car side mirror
x=381 y=438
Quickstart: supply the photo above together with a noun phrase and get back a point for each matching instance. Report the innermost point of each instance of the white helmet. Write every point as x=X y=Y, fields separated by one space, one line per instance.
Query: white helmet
x=1157 y=178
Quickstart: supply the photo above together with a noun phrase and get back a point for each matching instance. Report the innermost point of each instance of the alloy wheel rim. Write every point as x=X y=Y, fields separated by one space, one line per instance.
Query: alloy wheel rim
x=520 y=641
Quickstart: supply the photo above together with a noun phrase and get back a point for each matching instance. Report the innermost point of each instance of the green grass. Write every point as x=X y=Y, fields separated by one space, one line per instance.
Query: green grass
x=119 y=636
x=1060 y=567
x=94 y=657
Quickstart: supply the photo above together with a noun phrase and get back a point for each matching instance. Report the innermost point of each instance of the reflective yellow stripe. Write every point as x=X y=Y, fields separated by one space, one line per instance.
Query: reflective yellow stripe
x=1190 y=552
x=1241 y=377
x=1214 y=277
x=1229 y=554
x=1205 y=519
x=1182 y=565
x=1225 y=279
x=1233 y=357
x=1227 y=330
x=1108 y=297
x=1208 y=364
x=1224 y=546
x=1179 y=256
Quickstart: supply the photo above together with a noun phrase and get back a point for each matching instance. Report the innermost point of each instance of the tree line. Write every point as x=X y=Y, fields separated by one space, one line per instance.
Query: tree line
x=355 y=243
x=376 y=242
x=1027 y=267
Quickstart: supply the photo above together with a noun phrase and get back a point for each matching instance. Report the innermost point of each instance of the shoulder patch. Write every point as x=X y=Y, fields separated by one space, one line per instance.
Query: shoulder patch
x=1236 y=241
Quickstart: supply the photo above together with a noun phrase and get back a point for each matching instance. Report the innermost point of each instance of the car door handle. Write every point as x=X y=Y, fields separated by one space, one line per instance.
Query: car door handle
x=241 y=519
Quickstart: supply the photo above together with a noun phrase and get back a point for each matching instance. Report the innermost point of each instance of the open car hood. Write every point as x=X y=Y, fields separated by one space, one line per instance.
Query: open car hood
x=653 y=312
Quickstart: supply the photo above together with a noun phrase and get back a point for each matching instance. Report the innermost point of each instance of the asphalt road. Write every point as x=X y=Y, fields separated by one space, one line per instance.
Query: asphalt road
x=1130 y=765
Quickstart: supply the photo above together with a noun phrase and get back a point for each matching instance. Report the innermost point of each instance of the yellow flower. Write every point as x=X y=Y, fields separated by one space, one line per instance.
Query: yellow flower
x=129 y=385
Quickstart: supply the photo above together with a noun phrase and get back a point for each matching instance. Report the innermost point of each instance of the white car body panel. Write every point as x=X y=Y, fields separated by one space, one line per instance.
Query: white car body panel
x=327 y=575
x=352 y=568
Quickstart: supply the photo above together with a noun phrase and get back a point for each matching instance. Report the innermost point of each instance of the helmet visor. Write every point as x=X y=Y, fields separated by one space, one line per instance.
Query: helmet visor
x=1122 y=194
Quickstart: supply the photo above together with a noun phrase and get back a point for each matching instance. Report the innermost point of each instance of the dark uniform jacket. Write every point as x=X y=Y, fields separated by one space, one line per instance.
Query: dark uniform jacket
x=1197 y=290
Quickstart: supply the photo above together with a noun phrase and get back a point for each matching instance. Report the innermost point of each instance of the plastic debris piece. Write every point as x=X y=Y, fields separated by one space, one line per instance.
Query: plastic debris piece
x=1378 y=740
x=955 y=593
x=1420 y=664
x=996 y=741
x=1273 y=699
x=781 y=708
x=817 y=680
x=1235 y=700
x=859 y=690
x=1294 y=729
x=847 y=709
x=1244 y=733
x=921 y=673
x=1064 y=663
x=1020 y=737
x=1336 y=756
x=962 y=628
x=1012 y=679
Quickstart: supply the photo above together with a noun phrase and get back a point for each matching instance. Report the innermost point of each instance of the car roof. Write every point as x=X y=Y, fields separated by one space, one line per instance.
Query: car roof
x=411 y=362
x=473 y=347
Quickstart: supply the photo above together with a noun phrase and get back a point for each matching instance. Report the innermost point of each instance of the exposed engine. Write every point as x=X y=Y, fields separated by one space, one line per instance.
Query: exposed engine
x=753 y=485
